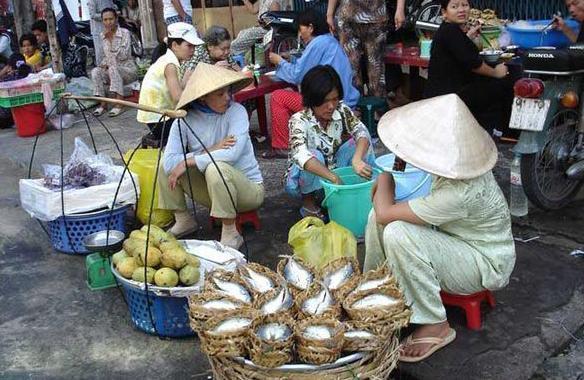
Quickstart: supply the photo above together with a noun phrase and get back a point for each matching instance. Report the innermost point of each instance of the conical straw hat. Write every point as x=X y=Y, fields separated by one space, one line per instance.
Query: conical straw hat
x=441 y=136
x=208 y=78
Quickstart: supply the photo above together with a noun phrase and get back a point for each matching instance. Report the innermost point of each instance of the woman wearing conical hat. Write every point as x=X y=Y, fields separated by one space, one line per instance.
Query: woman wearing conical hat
x=223 y=128
x=458 y=238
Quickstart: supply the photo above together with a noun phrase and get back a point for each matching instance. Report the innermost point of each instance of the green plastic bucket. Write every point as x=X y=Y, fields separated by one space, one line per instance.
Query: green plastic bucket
x=349 y=204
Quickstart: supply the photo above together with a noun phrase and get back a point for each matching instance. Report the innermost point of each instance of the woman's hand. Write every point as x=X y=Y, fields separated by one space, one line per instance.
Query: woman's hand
x=330 y=20
x=175 y=175
x=362 y=168
x=399 y=19
x=275 y=59
x=335 y=179
x=226 y=143
x=501 y=71
x=474 y=31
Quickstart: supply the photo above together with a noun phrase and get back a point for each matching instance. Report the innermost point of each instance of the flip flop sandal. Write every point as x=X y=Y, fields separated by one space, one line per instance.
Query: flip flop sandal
x=98 y=111
x=116 y=111
x=438 y=343
x=304 y=212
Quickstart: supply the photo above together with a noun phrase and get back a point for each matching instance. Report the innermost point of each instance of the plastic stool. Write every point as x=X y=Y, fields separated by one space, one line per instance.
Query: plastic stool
x=242 y=218
x=368 y=105
x=471 y=304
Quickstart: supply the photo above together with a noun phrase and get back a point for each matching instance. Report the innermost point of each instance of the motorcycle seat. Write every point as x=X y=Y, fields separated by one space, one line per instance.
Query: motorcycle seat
x=549 y=59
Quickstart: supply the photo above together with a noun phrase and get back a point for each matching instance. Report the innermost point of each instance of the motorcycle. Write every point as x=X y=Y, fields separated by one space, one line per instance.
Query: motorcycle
x=284 y=30
x=548 y=108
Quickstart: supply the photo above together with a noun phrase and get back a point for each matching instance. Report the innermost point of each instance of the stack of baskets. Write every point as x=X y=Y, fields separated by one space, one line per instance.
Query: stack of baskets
x=258 y=324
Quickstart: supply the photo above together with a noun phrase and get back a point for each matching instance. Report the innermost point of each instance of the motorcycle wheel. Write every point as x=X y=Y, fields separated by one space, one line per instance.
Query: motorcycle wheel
x=286 y=45
x=137 y=48
x=543 y=174
x=430 y=12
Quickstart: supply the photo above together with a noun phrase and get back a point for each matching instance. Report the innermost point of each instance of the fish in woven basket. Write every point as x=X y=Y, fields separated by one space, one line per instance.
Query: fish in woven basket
x=282 y=301
x=319 y=303
x=232 y=325
x=255 y=280
x=230 y=288
x=220 y=305
x=373 y=284
x=318 y=332
x=296 y=273
x=338 y=272
x=273 y=331
x=375 y=301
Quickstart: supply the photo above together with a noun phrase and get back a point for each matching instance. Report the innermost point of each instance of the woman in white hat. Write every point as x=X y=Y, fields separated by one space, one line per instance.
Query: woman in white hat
x=458 y=238
x=162 y=86
x=223 y=127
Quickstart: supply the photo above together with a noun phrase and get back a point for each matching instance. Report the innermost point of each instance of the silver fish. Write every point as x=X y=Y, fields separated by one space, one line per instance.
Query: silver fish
x=318 y=332
x=257 y=281
x=220 y=305
x=282 y=301
x=234 y=290
x=373 y=284
x=359 y=334
x=336 y=279
x=319 y=303
x=297 y=275
x=274 y=331
x=375 y=301
x=232 y=324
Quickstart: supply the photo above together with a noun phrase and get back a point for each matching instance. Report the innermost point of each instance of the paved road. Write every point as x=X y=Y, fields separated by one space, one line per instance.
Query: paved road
x=53 y=326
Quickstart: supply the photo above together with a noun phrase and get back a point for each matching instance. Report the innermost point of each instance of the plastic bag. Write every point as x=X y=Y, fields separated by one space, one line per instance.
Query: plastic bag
x=83 y=169
x=143 y=163
x=318 y=244
x=82 y=86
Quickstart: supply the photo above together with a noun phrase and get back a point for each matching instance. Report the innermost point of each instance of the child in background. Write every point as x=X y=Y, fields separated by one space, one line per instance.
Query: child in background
x=16 y=68
x=30 y=49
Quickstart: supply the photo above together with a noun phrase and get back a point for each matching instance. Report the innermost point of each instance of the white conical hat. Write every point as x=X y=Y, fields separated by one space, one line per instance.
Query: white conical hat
x=208 y=78
x=441 y=136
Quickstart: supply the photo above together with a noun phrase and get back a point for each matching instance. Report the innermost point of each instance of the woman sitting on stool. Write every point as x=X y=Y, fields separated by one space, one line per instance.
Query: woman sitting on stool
x=323 y=136
x=223 y=126
x=458 y=238
x=117 y=67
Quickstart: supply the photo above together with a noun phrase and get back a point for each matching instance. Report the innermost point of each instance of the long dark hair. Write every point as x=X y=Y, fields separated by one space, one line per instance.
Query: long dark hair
x=317 y=83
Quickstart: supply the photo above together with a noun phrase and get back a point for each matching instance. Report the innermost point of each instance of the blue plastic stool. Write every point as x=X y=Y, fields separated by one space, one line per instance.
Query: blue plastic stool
x=368 y=105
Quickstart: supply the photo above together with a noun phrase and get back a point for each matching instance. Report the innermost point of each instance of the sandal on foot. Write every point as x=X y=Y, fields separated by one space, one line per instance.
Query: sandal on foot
x=437 y=343
x=304 y=212
x=115 y=111
x=98 y=111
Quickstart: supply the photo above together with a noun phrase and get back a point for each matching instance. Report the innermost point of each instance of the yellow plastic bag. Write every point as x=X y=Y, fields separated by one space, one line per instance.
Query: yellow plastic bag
x=144 y=164
x=319 y=243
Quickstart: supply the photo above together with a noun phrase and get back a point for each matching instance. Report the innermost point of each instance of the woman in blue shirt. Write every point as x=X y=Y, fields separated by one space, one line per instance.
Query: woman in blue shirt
x=321 y=49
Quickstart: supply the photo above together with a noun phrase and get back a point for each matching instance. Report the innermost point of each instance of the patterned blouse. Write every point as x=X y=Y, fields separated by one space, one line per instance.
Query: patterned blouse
x=201 y=55
x=362 y=11
x=118 y=52
x=306 y=134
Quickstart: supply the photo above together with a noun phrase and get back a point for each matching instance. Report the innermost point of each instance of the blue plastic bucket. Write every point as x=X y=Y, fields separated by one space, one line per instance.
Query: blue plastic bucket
x=349 y=204
x=409 y=184
x=527 y=38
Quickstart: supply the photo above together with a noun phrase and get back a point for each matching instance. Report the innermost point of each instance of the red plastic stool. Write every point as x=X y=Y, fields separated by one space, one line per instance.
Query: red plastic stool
x=471 y=304
x=242 y=218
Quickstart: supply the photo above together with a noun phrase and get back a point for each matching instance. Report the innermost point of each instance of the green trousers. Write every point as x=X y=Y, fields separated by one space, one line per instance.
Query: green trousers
x=208 y=189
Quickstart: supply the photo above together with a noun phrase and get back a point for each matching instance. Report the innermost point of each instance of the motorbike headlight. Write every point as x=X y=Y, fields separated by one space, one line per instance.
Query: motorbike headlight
x=570 y=99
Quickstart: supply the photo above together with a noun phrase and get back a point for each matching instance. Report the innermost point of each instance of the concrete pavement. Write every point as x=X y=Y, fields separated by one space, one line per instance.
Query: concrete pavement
x=53 y=326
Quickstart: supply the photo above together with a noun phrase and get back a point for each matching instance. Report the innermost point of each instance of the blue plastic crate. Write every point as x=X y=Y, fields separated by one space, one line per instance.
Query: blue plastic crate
x=67 y=233
x=170 y=314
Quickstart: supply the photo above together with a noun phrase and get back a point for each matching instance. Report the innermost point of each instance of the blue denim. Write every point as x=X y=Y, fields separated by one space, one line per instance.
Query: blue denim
x=299 y=181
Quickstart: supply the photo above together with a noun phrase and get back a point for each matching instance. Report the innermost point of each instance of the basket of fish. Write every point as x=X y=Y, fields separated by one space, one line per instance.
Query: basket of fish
x=319 y=340
x=255 y=323
x=298 y=274
x=227 y=333
x=271 y=340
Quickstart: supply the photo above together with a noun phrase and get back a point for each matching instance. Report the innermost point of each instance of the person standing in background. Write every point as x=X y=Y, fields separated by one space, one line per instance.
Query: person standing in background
x=246 y=37
x=177 y=11
x=362 y=30
x=95 y=7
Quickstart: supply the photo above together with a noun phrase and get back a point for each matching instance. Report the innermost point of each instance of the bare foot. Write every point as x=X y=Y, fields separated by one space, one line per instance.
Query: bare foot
x=439 y=330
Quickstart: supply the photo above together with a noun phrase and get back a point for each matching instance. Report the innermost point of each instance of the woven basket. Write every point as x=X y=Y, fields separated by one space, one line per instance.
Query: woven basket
x=199 y=315
x=333 y=312
x=293 y=289
x=270 y=353
x=261 y=299
x=262 y=270
x=374 y=365
x=364 y=344
x=319 y=351
x=229 y=344
x=335 y=265
x=381 y=314
x=225 y=276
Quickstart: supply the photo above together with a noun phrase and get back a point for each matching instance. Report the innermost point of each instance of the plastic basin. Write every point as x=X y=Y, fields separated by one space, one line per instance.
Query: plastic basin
x=527 y=34
x=409 y=184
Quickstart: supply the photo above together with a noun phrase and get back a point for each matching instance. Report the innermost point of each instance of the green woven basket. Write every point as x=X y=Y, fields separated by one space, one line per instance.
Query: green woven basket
x=21 y=100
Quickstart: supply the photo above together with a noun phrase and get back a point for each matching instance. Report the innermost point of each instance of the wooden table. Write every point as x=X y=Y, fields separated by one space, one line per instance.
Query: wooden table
x=409 y=57
x=266 y=85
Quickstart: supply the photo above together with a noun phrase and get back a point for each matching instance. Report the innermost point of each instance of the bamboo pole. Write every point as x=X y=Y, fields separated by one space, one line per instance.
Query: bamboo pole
x=173 y=114
x=56 y=53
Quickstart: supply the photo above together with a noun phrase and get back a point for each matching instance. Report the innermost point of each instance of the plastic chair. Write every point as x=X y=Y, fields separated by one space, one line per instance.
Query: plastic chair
x=471 y=304
x=242 y=218
x=368 y=105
